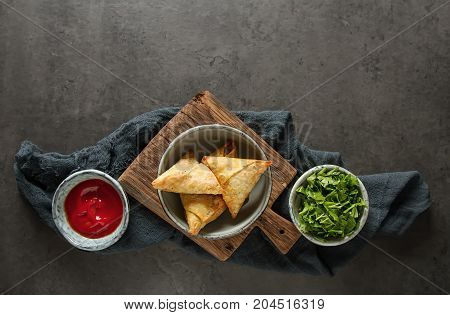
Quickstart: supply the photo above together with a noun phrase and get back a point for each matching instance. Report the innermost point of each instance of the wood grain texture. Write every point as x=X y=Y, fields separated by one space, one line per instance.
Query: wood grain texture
x=205 y=109
x=280 y=231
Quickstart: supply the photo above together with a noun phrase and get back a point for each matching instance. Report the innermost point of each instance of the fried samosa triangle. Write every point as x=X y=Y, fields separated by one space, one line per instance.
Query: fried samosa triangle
x=203 y=209
x=188 y=176
x=237 y=177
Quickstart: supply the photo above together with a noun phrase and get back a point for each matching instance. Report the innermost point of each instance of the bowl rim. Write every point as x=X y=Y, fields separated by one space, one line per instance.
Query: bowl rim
x=225 y=234
x=118 y=232
x=293 y=216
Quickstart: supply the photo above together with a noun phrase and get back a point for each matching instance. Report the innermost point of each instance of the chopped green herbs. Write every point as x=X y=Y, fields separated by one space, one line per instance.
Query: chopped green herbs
x=331 y=204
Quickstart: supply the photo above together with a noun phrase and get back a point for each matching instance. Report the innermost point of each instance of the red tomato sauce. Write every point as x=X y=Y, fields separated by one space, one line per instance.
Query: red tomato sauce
x=94 y=208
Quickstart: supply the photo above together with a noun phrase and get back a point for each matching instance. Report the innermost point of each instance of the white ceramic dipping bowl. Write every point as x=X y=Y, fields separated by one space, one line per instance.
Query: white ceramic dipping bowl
x=294 y=204
x=60 y=218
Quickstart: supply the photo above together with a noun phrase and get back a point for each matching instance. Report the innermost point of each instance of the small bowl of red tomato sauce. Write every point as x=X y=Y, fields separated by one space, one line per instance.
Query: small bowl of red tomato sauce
x=91 y=210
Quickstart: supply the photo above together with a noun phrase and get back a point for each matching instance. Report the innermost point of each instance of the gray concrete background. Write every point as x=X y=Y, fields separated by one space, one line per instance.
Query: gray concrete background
x=389 y=111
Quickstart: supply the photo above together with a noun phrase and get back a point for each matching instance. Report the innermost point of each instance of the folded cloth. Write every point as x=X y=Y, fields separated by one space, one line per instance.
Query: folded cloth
x=396 y=199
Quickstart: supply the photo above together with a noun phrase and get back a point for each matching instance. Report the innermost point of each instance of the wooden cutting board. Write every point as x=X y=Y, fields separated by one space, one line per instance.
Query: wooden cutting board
x=205 y=109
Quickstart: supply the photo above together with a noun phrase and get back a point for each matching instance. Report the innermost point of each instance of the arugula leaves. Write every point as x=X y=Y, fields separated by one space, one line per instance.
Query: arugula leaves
x=331 y=204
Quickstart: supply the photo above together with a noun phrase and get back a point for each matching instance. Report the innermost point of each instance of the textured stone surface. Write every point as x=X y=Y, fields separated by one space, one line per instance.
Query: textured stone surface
x=389 y=111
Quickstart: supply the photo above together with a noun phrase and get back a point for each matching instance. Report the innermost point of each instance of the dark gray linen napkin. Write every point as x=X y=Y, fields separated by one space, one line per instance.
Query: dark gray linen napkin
x=396 y=199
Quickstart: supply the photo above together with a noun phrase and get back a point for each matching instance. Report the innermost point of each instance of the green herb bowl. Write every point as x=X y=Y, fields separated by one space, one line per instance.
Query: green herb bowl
x=294 y=205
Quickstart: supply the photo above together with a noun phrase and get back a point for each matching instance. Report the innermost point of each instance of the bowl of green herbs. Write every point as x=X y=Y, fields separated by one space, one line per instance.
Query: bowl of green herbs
x=329 y=205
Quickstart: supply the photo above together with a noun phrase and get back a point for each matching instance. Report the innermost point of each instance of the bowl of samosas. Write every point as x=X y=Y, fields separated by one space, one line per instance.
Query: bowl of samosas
x=213 y=181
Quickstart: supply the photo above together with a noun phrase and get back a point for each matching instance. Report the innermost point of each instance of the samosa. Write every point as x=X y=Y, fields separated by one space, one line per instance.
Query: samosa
x=188 y=176
x=237 y=177
x=203 y=209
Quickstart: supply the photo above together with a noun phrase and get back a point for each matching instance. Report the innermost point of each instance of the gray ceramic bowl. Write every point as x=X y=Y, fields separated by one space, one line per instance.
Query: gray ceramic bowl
x=59 y=214
x=294 y=204
x=203 y=140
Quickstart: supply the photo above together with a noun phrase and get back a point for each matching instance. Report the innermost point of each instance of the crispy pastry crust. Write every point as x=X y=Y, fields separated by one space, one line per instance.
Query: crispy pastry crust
x=203 y=209
x=189 y=177
x=237 y=177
